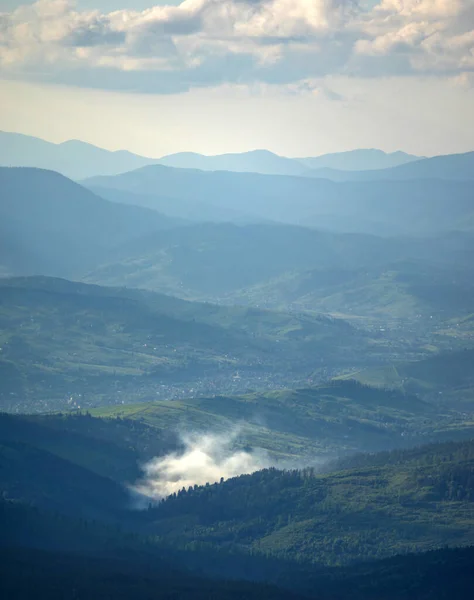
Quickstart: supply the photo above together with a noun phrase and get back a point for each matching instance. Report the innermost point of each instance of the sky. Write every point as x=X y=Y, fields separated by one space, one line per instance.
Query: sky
x=298 y=77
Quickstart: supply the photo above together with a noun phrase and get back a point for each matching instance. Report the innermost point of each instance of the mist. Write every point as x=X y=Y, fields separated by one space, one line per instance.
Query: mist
x=206 y=458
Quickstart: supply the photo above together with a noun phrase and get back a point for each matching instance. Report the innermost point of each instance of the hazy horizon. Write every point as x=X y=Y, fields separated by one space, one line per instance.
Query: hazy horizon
x=248 y=150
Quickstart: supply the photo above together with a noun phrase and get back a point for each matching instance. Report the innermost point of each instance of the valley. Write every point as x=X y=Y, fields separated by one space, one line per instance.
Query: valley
x=250 y=382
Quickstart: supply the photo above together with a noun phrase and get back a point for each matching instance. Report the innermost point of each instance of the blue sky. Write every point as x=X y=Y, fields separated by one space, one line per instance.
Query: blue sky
x=299 y=77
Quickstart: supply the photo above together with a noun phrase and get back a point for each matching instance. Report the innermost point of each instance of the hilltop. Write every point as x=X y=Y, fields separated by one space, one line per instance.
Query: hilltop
x=50 y=225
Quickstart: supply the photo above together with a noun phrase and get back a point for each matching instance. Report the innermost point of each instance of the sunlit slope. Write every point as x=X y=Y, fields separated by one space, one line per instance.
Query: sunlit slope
x=318 y=422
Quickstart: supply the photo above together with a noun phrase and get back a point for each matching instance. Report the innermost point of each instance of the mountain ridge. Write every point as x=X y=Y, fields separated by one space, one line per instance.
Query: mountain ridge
x=362 y=159
x=451 y=167
x=18 y=149
x=408 y=207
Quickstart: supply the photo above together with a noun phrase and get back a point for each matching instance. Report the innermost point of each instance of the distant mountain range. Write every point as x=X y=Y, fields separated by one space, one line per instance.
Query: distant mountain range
x=359 y=160
x=453 y=167
x=79 y=160
x=262 y=255
x=256 y=161
x=52 y=226
x=73 y=158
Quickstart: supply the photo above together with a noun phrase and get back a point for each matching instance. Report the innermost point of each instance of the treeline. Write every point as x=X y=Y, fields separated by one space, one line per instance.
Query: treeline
x=340 y=518
x=420 y=456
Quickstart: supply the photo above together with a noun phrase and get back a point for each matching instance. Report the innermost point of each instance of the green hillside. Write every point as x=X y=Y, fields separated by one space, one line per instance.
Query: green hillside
x=328 y=420
x=446 y=378
x=290 y=262
x=110 y=448
x=194 y=261
x=67 y=344
x=422 y=503
x=411 y=500
x=401 y=290
x=63 y=490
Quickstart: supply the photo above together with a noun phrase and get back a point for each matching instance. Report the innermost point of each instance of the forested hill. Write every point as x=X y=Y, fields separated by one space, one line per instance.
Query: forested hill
x=340 y=518
x=279 y=526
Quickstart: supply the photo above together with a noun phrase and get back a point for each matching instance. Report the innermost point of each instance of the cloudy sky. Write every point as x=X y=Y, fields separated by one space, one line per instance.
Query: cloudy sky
x=299 y=77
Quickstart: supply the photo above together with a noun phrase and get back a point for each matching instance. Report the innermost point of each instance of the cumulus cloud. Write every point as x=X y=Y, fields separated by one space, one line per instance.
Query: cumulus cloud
x=206 y=458
x=209 y=42
x=431 y=35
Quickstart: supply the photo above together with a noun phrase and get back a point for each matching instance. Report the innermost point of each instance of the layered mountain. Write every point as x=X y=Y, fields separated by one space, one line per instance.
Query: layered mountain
x=180 y=209
x=418 y=206
x=77 y=159
x=193 y=262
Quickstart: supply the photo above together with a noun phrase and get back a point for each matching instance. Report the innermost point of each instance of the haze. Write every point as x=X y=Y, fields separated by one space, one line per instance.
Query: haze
x=237 y=299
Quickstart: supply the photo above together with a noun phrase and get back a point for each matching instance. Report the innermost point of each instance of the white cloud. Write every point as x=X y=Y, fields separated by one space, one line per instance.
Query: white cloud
x=423 y=8
x=210 y=42
x=431 y=35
